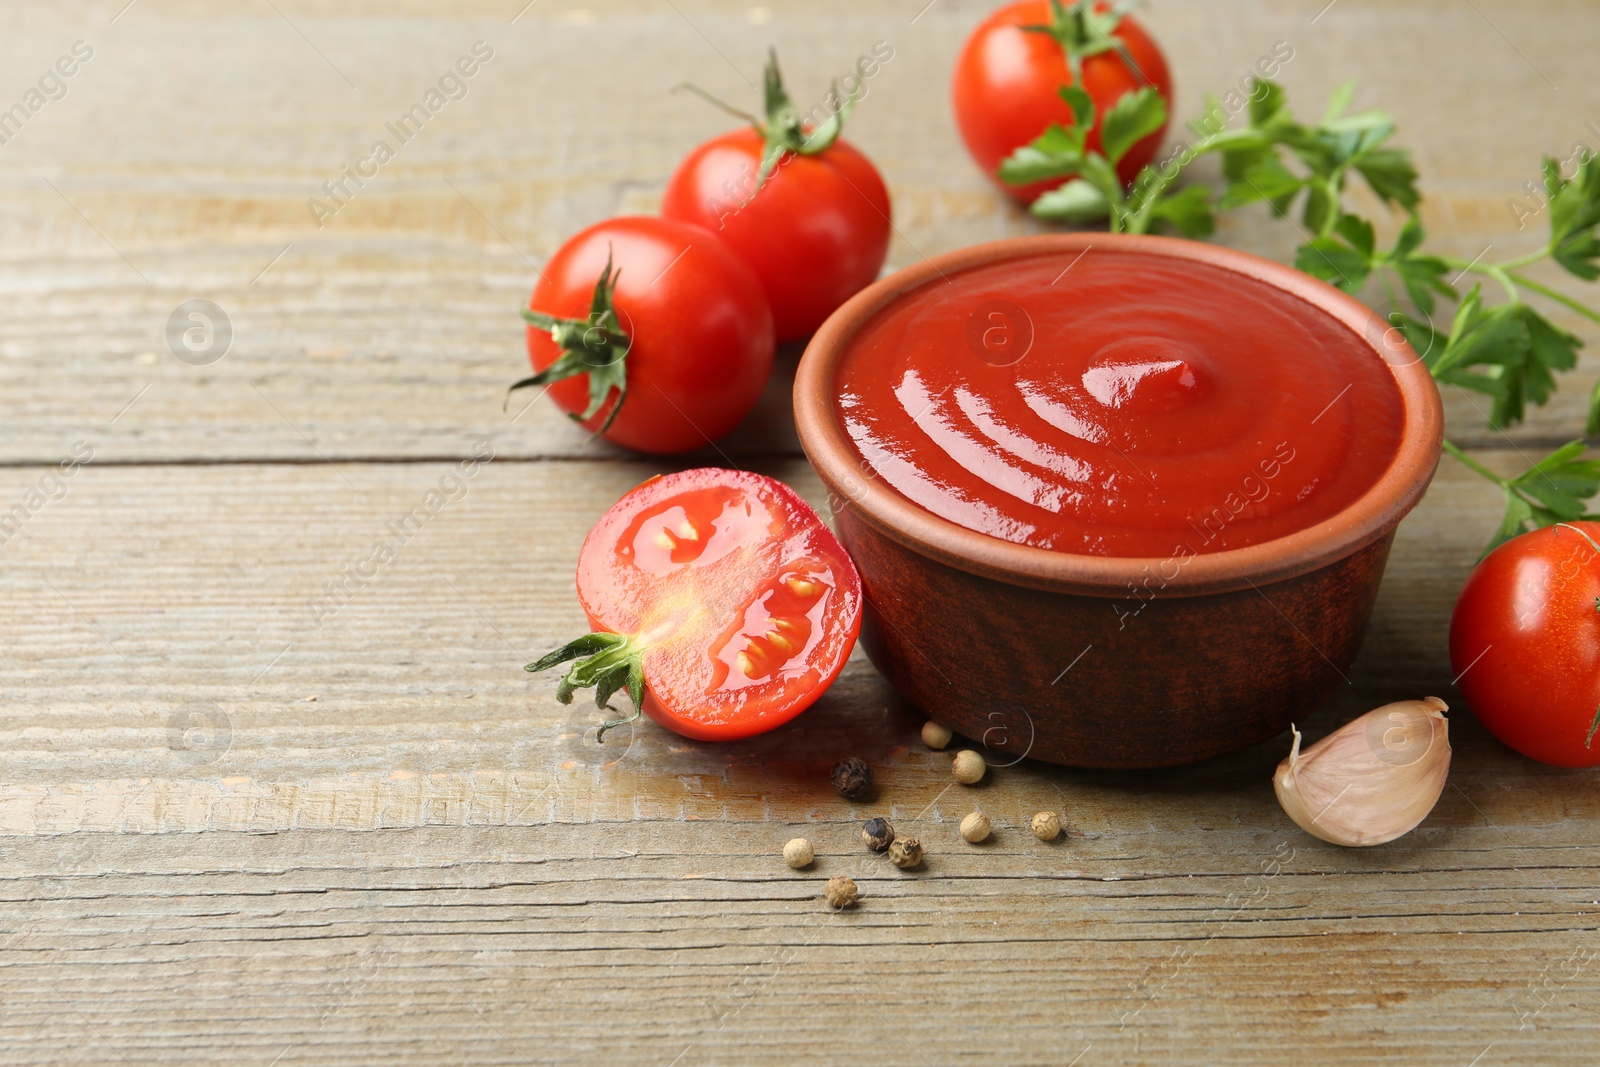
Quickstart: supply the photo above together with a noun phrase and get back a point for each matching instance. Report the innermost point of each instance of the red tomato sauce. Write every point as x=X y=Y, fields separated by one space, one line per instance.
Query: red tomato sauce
x=1122 y=404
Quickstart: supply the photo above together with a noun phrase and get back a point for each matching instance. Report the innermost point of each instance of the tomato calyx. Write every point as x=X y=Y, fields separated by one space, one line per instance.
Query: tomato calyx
x=1081 y=31
x=606 y=661
x=784 y=130
x=596 y=346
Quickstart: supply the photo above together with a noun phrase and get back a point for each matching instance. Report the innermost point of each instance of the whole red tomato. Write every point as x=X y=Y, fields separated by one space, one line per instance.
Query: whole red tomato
x=720 y=602
x=815 y=229
x=1007 y=81
x=1525 y=640
x=651 y=333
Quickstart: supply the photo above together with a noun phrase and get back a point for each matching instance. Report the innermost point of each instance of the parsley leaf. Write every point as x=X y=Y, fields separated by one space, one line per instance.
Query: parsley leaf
x=1263 y=178
x=1552 y=349
x=1082 y=105
x=1519 y=513
x=1335 y=262
x=1188 y=211
x=1423 y=276
x=1133 y=117
x=1077 y=201
x=1055 y=152
x=1551 y=491
x=1328 y=151
x=1574 y=214
x=1058 y=151
x=1508 y=351
x=1390 y=173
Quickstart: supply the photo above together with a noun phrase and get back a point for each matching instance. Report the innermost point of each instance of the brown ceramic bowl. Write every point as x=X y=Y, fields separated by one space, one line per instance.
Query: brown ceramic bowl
x=980 y=633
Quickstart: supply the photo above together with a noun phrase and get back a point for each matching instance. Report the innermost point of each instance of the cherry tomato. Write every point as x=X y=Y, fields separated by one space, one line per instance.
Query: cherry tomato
x=719 y=600
x=1007 y=82
x=651 y=332
x=815 y=232
x=1525 y=640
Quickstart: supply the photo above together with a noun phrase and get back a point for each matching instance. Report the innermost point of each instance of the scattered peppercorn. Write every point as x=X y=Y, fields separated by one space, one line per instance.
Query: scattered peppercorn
x=1047 y=826
x=852 y=778
x=975 y=827
x=968 y=767
x=841 y=891
x=799 y=853
x=936 y=735
x=877 y=834
x=905 y=852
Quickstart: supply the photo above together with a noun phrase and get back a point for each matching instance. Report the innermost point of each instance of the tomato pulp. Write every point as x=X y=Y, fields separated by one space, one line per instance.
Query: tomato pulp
x=1525 y=644
x=740 y=603
x=1118 y=403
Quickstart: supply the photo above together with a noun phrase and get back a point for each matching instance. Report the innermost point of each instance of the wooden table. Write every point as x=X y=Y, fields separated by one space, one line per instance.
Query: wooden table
x=240 y=829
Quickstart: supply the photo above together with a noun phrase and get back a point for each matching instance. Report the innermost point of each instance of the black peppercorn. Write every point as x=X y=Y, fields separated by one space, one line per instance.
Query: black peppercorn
x=877 y=833
x=852 y=778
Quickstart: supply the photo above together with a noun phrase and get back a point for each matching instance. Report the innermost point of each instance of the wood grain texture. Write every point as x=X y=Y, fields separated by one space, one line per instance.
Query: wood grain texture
x=390 y=330
x=245 y=820
x=430 y=858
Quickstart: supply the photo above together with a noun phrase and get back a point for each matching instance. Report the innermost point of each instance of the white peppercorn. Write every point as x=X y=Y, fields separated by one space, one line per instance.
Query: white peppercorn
x=968 y=767
x=936 y=735
x=799 y=853
x=975 y=827
x=1047 y=826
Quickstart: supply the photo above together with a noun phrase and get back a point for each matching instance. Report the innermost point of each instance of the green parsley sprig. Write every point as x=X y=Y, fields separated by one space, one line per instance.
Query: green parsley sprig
x=1506 y=350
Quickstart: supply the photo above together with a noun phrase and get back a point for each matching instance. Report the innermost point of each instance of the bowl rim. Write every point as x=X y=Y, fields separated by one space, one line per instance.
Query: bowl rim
x=1371 y=516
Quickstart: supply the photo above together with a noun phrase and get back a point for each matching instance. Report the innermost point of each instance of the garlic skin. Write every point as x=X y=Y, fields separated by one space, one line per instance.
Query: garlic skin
x=1373 y=779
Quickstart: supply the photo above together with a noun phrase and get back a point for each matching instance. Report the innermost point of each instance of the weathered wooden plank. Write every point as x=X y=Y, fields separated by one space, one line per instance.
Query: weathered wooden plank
x=390 y=329
x=554 y=943
x=246 y=696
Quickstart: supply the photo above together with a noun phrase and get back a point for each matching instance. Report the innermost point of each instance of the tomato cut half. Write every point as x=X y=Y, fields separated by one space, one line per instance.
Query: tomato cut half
x=719 y=599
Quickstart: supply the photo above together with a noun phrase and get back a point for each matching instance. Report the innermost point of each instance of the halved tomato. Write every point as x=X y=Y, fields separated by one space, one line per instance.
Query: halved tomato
x=719 y=600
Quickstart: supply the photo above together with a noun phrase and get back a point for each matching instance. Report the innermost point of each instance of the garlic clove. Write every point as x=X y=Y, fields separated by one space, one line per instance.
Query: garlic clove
x=1373 y=779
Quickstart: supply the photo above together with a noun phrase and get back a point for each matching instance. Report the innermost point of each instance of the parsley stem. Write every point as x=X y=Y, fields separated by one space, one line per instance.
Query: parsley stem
x=1451 y=447
x=1523 y=261
x=1497 y=271
x=1388 y=288
x=1561 y=298
x=1504 y=279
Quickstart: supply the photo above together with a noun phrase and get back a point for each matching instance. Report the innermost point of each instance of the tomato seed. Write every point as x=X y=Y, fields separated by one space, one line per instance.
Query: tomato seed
x=803 y=588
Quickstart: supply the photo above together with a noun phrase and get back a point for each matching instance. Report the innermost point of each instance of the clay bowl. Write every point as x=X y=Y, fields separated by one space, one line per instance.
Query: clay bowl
x=980 y=633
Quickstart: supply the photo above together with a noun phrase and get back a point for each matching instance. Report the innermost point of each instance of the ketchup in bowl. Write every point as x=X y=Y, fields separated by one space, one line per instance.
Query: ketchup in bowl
x=1118 y=404
x=1116 y=501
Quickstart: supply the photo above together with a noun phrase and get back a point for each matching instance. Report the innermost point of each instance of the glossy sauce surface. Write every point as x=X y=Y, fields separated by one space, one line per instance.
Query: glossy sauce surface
x=1118 y=404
